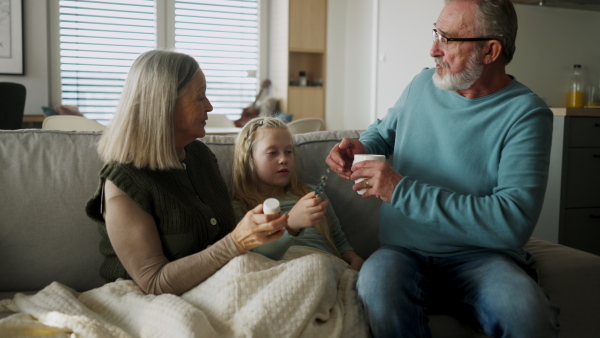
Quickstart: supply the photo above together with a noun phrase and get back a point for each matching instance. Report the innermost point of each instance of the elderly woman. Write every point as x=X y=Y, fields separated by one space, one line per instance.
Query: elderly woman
x=163 y=209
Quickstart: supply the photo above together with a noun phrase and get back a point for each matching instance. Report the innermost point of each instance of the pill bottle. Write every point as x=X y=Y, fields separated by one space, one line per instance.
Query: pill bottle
x=271 y=206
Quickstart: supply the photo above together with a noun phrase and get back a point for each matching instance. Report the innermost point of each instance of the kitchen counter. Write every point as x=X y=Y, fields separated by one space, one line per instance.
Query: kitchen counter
x=593 y=112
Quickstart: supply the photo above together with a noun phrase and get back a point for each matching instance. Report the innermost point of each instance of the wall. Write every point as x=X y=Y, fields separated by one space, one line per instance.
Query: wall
x=404 y=44
x=367 y=75
x=549 y=42
x=36 y=78
x=351 y=46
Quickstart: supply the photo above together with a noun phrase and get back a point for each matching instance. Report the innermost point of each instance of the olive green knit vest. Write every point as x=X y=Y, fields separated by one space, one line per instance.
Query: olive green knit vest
x=191 y=207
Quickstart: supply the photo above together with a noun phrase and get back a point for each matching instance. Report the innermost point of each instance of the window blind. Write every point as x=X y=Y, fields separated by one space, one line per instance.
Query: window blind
x=100 y=39
x=223 y=37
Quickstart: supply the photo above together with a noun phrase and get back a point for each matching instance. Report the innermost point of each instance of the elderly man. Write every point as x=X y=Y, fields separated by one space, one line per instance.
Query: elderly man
x=471 y=150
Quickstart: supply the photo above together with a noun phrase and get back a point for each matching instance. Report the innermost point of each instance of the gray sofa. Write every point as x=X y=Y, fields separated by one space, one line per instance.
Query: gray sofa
x=47 y=176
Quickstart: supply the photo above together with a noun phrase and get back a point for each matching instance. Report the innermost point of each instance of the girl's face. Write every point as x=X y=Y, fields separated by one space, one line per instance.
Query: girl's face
x=273 y=158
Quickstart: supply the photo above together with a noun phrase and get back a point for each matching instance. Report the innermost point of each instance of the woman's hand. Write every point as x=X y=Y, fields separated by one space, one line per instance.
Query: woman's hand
x=308 y=211
x=256 y=229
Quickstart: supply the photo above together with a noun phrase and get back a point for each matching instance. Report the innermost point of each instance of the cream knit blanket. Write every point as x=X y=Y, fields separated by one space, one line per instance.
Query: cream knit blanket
x=307 y=294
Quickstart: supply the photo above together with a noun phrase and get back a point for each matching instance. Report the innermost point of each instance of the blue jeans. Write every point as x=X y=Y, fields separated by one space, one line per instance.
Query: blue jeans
x=399 y=288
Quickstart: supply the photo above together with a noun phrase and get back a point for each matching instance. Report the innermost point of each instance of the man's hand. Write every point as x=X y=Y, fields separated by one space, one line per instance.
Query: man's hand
x=341 y=156
x=380 y=179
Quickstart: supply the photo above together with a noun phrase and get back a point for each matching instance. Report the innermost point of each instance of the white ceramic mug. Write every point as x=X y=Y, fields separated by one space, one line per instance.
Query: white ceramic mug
x=366 y=157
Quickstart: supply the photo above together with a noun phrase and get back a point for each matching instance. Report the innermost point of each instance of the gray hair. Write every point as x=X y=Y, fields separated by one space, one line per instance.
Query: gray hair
x=498 y=19
x=142 y=131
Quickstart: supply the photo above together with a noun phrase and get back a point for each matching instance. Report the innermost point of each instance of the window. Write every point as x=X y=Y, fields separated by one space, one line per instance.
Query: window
x=100 y=39
x=223 y=37
x=98 y=43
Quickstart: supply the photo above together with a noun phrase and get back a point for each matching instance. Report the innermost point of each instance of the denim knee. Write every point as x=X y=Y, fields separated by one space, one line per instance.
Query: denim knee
x=390 y=286
x=509 y=303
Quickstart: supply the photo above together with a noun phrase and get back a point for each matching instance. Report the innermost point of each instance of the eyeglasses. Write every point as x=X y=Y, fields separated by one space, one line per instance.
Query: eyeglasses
x=437 y=37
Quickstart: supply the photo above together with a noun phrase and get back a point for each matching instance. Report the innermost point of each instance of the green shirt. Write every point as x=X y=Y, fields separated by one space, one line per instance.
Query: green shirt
x=308 y=237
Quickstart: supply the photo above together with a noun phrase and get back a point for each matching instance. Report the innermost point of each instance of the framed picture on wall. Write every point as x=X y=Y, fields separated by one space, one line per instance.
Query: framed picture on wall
x=11 y=37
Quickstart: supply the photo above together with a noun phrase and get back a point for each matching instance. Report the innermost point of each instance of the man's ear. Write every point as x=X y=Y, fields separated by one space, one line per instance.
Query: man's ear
x=492 y=51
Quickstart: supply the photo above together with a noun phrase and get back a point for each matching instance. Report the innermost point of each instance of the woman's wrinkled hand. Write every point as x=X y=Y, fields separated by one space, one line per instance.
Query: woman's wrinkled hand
x=257 y=229
x=308 y=211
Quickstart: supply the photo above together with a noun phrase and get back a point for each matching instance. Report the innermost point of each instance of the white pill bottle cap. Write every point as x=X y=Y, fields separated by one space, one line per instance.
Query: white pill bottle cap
x=271 y=206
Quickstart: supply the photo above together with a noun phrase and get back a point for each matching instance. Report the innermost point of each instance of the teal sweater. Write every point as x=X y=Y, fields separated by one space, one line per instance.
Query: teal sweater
x=307 y=237
x=475 y=169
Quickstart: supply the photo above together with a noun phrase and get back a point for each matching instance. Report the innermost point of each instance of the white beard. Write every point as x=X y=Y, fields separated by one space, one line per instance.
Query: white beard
x=459 y=81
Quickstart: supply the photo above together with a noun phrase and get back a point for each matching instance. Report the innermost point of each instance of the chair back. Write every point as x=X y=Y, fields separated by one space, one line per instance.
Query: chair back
x=306 y=125
x=71 y=122
x=12 y=105
x=219 y=121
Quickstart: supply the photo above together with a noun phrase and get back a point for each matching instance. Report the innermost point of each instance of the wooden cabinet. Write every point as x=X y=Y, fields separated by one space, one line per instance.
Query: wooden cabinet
x=308 y=25
x=571 y=210
x=298 y=31
x=305 y=99
x=33 y=121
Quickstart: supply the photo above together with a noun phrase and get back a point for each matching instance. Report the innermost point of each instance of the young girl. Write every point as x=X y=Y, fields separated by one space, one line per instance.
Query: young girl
x=263 y=167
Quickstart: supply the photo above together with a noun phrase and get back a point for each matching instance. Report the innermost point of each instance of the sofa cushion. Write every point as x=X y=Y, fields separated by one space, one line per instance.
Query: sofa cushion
x=47 y=177
x=571 y=278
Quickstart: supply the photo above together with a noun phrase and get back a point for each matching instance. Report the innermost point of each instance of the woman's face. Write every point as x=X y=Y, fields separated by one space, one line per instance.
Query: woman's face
x=273 y=158
x=191 y=111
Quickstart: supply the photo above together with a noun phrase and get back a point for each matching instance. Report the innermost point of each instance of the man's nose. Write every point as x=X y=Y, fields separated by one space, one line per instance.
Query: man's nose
x=435 y=50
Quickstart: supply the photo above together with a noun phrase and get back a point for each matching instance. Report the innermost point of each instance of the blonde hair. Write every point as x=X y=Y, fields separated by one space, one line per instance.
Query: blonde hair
x=141 y=132
x=244 y=187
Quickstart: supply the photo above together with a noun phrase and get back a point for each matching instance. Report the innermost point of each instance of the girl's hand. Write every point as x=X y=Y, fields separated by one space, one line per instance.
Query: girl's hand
x=353 y=259
x=256 y=229
x=308 y=211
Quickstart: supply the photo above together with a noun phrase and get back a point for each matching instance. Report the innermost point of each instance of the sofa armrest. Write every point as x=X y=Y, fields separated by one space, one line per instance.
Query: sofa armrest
x=572 y=280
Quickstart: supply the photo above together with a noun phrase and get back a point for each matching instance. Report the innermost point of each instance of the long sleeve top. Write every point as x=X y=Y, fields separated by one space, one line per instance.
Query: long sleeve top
x=307 y=237
x=475 y=170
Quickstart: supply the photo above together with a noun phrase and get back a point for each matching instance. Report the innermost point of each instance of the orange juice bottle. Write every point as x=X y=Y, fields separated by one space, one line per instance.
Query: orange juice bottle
x=575 y=95
x=575 y=99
